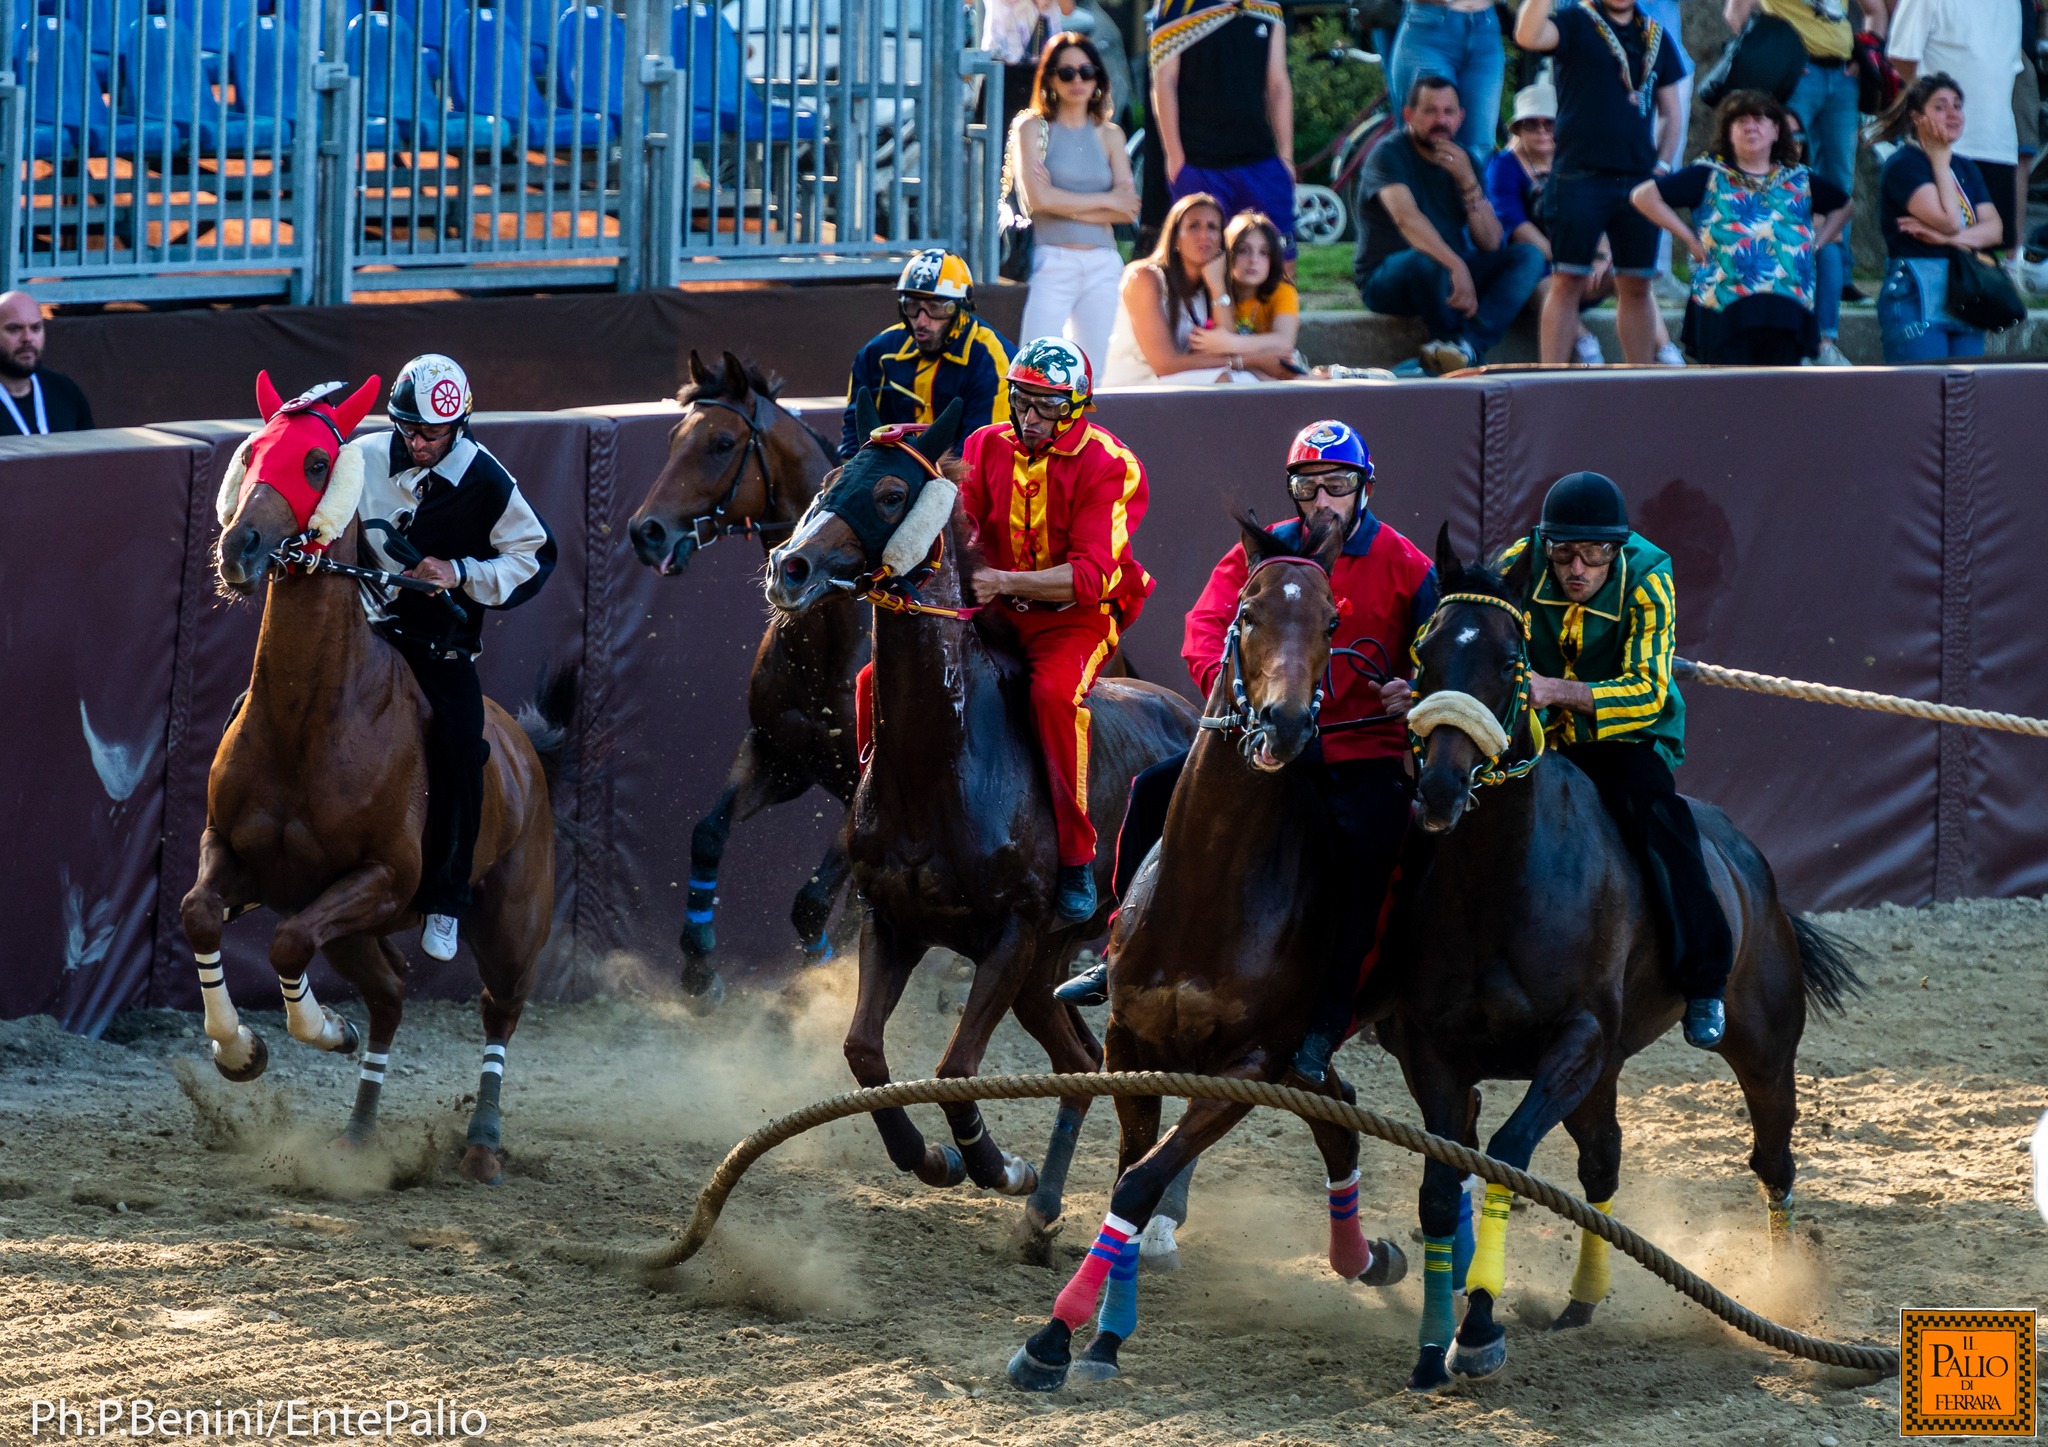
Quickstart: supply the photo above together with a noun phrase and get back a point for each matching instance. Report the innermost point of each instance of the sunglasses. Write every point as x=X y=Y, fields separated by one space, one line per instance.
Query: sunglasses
x=937 y=311
x=1536 y=124
x=1303 y=486
x=413 y=432
x=1039 y=405
x=1071 y=73
x=1593 y=555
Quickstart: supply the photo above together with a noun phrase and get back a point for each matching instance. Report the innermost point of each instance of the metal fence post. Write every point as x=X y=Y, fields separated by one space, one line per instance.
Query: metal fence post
x=641 y=81
x=334 y=184
x=666 y=153
x=11 y=158
x=981 y=194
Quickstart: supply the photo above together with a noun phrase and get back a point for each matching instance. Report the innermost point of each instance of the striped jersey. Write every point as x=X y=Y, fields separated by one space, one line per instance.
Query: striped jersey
x=1620 y=641
x=1079 y=502
x=911 y=387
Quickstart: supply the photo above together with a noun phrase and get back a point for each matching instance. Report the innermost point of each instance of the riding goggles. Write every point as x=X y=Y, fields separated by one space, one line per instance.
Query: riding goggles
x=424 y=432
x=934 y=308
x=1303 y=486
x=1593 y=555
x=1038 y=404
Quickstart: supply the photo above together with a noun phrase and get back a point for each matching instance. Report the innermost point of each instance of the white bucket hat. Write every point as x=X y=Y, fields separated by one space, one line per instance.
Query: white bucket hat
x=1536 y=102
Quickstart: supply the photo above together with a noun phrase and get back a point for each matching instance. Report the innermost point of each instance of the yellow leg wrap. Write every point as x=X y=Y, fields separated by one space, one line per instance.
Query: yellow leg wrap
x=1591 y=1280
x=1489 y=1270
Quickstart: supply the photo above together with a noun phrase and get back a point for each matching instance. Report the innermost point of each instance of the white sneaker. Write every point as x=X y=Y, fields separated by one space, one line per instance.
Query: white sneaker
x=1586 y=351
x=1669 y=355
x=1670 y=289
x=438 y=938
x=1831 y=355
x=2032 y=276
x=1440 y=357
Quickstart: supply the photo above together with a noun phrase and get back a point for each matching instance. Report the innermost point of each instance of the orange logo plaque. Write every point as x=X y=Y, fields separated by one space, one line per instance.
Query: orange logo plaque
x=1966 y=1373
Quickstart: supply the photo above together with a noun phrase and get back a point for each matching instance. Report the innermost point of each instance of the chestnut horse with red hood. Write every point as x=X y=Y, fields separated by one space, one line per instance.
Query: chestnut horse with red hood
x=316 y=803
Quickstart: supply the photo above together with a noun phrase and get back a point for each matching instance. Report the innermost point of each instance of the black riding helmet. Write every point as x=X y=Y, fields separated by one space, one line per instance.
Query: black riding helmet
x=1584 y=507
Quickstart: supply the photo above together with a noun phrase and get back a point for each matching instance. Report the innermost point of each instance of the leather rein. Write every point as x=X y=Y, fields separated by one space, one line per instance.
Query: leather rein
x=708 y=528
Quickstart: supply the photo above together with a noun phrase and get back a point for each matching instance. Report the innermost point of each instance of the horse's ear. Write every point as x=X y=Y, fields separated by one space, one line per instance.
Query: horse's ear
x=349 y=415
x=1450 y=571
x=1327 y=535
x=1516 y=579
x=735 y=377
x=698 y=375
x=938 y=439
x=267 y=400
x=1259 y=544
x=865 y=418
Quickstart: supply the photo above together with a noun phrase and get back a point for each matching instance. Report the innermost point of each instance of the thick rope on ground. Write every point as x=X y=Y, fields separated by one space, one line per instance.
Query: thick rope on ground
x=1947 y=713
x=711 y=1200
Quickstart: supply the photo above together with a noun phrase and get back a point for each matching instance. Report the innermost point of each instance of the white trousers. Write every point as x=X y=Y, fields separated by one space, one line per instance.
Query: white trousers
x=1073 y=294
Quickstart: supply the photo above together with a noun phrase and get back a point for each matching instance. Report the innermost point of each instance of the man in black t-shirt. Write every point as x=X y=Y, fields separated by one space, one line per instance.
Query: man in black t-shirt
x=1223 y=105
x=1430 y=245
x=1615 y=71
x=33 y=401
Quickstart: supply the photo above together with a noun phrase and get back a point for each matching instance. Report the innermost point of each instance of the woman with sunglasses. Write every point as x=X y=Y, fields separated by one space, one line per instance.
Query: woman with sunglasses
x=1601 y=604
x=1069 y=159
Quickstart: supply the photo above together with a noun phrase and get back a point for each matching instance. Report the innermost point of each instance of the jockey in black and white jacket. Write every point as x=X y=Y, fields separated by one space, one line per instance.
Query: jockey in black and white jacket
x=455 y=517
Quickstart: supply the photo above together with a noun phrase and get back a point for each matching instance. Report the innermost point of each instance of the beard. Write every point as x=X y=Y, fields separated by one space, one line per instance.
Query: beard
x=9 y=367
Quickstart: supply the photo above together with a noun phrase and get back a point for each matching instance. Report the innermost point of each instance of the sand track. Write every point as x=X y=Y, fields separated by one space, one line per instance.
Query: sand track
x=168 y=1236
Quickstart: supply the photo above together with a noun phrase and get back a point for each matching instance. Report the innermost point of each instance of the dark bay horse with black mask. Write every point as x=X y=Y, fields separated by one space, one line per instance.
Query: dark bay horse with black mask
x=1220 y=952
x=740 y=466
x=316 y=803
x=951 y=833
x=1533 y=953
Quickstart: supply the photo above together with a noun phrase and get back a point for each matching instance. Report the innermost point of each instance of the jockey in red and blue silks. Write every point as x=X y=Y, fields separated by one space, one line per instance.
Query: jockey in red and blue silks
x=1386 y=589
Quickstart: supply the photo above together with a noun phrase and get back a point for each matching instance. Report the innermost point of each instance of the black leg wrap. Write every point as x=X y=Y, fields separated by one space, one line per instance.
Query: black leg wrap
x=900 y=1138
x=362 y=1121
x=1040 y=1365
x=484 y=1121
x=1045 y=1202
x=1481 y=1347
x=1175 y=1202
x=983 y=1158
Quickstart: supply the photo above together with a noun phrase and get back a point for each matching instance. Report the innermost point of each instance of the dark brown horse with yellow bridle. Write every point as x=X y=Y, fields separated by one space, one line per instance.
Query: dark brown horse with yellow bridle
x=951 y=833
x=316 y=803
x=740 y=466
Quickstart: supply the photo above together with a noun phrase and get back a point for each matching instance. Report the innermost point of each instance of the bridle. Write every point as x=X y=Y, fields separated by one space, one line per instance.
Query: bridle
x=707 y=528
x=884 y=587
x=301 y=551
x=1490 y=770
x=1367 y=658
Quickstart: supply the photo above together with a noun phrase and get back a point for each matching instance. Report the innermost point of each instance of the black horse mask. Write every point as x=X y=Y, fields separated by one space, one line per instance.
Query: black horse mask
x=900 y=535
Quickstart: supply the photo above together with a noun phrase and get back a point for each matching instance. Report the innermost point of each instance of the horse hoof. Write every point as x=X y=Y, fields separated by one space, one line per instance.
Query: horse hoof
x=943 y=1166
x=1020 y=1177
x=703 y=987
x=1157 y=1250
x=1098 y=1363
x=1482 y=1360
x=1389 y=1265
x=351 y=1038
x=1575 y=1314
x=1429 y=1374
x=481 y=1164
x=259 y=1061
x=1029 y=1374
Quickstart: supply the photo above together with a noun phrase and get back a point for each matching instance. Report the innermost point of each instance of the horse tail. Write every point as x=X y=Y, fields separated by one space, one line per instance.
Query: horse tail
x=545 y=718
x=1828 y=962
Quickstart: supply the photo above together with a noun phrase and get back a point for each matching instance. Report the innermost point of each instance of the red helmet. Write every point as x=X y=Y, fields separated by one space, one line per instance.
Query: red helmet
x=1057 y=365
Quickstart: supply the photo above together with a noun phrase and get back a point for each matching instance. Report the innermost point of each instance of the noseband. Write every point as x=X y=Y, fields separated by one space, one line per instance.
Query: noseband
x=1489 y=770
x=884 y=587
x=1368 y=658
x=708 y=528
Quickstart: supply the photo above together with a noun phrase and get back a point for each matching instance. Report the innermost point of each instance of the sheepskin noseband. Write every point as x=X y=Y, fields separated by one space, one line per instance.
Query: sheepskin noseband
x=912 y=541
x=1464 y=713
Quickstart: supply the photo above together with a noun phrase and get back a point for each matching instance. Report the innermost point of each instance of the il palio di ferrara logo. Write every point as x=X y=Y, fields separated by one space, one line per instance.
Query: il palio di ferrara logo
x=1966 y=1373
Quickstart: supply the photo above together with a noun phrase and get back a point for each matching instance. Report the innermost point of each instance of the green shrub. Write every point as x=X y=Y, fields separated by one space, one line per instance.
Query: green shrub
x=1326 y=94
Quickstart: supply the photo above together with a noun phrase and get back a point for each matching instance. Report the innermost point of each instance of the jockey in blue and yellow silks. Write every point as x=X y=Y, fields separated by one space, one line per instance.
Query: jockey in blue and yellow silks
x=938 y=351
x=1602 y=614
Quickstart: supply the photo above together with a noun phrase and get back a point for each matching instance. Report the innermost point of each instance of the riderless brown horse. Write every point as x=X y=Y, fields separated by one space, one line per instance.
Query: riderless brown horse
x=316 y=803
x=740 y=466
x=1532 y=953
x=1219 y=950
x=951 y=833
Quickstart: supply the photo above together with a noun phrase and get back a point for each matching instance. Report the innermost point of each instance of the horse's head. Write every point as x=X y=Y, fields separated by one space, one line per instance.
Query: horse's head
x=284 y=481
x=884 y=509
x=716 y=476
x=1279 y=644
x=1471 y=680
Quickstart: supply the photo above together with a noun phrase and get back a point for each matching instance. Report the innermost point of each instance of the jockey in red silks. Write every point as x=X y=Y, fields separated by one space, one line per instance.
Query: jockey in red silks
x=1386 y=590
x=1056 y=499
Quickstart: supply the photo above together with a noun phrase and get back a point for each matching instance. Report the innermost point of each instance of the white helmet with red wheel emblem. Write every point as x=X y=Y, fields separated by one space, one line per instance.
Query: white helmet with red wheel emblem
x=431 y=391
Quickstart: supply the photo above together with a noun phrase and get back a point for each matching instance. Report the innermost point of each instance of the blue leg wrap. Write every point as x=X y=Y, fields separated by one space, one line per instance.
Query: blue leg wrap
x=1461 y=1247
x=1438 y=1318
x=1120 y=1300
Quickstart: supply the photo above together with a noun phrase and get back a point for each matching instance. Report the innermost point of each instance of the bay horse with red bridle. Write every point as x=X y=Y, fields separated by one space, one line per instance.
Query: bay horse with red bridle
x=951 y=833
x=1218 y=956
x=316 y=802
x=740 y=466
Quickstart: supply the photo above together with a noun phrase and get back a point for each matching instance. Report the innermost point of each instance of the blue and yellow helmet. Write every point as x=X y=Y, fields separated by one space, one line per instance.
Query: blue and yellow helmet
x=937 y=272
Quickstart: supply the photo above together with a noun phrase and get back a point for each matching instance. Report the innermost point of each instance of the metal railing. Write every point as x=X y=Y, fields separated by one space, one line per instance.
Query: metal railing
x=303 y=150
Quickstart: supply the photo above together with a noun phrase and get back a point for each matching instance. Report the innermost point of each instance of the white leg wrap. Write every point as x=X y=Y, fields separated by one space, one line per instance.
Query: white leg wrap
x=1157 y=1245
x=232 y=1042
x=373 y=1066
x=308 y=1022
x=494 y=1060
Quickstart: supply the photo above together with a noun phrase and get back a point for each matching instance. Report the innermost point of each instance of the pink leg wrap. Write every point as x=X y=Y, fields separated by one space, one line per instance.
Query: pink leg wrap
x=1076 y=1302
x=1350 y=1256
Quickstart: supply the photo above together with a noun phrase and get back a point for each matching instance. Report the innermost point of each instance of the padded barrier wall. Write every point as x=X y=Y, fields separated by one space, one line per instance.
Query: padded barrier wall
x=1872 y=529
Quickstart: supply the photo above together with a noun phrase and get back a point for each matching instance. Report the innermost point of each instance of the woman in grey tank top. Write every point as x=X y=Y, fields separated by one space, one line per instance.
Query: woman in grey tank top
x=1068 y=157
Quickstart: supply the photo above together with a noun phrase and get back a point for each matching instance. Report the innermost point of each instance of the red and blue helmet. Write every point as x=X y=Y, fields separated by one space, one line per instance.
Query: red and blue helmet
x=1330 y=441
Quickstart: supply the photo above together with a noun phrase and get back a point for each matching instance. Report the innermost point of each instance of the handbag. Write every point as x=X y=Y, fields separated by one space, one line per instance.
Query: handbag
x=1981 y=295
x=1767 y=56
x=1013 y=222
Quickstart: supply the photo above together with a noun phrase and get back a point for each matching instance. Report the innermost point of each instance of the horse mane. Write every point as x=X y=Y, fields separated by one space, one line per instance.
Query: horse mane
x=717 y=384
x=1314 y=536
x=1489 y=579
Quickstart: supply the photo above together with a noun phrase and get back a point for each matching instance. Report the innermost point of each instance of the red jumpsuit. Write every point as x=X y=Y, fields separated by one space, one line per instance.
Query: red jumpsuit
x=1079 y=502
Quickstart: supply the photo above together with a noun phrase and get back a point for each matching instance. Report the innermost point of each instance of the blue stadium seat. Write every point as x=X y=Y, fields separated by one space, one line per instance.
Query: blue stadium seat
x=164 y=82
x=596 y=85
x=263 y=63
x=496 y=77
x=68 y=115
x=721 y=96
x=402 y=108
